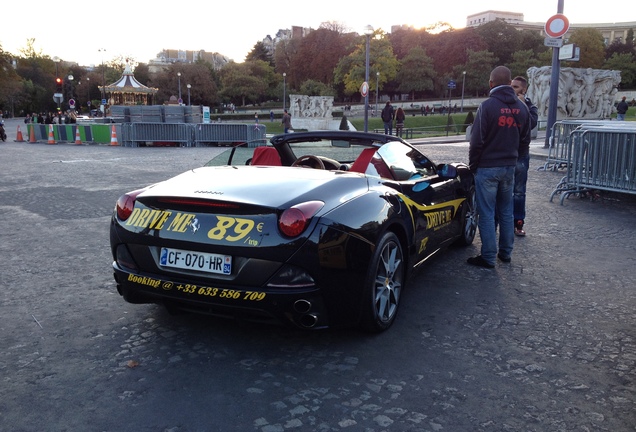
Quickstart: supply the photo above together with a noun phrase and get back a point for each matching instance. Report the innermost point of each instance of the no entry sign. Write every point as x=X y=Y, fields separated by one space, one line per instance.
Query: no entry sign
x=557 y=25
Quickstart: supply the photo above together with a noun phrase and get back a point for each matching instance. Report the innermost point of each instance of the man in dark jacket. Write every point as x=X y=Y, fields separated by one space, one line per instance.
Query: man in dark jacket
x=520 y=86
x=621 y=109
x=501 y=132
x=387 y=118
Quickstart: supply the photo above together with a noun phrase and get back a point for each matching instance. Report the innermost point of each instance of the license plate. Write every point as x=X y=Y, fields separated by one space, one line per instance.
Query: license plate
x=201 y=261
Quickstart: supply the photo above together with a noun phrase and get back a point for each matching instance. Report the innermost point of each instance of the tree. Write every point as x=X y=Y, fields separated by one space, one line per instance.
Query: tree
x=10 y=84
x=239 y=84
x=591 y=43
x=502 y=39
x=525 y=59
x=450 y=48
x=618 y=47
x=260 y=52
x=350 y=70
x=317 y=56
x=478 y=68
x=201 y=77
x=533 y=41
x=316 y=88
x=626 y=63
x=416 y=72
x=283 y=57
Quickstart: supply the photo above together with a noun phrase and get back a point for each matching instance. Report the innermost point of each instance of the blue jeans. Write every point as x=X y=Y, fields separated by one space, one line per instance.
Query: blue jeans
x=493 y=190
x=519 y=193
x=388 y=128
x=620 y=117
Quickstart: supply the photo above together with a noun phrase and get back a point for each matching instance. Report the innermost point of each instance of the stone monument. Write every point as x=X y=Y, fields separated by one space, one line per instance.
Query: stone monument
x=312 y=112
x=583 y=93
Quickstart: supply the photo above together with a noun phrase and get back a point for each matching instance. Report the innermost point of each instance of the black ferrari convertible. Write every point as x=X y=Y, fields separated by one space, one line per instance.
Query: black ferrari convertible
x=317 y=229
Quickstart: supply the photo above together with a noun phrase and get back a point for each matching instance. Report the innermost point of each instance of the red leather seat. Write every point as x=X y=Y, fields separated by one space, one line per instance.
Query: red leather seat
x=266 y=156
x=362 y=162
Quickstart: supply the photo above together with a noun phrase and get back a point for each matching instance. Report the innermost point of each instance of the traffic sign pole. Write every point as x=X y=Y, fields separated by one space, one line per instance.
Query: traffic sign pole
x=451 y=85
x=554 y=77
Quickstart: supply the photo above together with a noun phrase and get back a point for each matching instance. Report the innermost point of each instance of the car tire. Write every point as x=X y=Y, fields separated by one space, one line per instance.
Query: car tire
x=468 y=219
x=383 y=285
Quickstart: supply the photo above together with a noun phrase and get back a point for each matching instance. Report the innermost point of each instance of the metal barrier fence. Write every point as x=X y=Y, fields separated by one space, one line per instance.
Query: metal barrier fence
x=559 y=142
x=141 y=134
x=192 y=135
x=600 y=157
x=206 y=134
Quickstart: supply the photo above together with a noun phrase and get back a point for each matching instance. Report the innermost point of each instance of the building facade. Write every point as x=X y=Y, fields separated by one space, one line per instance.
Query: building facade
x=610 y=31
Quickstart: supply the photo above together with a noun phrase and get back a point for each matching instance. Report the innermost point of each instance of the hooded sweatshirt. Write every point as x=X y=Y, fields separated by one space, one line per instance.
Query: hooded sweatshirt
x=501 y=131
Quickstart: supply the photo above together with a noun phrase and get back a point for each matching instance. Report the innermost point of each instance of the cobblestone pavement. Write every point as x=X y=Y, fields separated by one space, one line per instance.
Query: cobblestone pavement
x=547 y=343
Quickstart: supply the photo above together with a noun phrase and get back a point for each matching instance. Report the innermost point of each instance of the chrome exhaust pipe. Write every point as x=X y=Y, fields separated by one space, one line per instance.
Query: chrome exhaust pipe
x=302 y=306
x=308 y=320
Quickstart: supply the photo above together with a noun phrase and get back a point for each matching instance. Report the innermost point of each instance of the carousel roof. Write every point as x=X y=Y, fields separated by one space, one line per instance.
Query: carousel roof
x=128 y=84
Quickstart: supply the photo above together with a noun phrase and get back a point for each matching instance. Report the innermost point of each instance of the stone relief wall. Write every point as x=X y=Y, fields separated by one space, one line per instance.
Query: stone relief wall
x=583 y=93
x=301 y=106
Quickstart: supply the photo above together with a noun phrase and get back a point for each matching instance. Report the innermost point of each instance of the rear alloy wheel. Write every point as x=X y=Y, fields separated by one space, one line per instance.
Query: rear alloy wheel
x=383 y=286
x=469 y=219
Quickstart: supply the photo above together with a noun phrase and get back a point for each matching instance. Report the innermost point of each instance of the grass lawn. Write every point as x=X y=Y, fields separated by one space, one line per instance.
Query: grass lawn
x=431 y=125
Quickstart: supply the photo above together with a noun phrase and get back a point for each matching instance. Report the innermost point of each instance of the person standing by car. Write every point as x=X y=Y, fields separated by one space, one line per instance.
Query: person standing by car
x=400 y=116
x=621 y=109
x=387 y=117
x=286 y=122
x=501 y=132
x=520 y=86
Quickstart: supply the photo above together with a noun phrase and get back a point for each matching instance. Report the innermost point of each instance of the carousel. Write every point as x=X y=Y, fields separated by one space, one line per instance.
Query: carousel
x=128 y=91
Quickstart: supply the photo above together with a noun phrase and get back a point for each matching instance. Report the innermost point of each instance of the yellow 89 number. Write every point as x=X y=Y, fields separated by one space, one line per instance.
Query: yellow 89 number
x=237 y=227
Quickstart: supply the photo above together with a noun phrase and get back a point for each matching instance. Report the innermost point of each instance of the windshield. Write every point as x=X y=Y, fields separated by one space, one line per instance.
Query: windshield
x=393 y=160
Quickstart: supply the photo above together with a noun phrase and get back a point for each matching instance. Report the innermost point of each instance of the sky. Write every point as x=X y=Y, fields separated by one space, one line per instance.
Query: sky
x=140 y=29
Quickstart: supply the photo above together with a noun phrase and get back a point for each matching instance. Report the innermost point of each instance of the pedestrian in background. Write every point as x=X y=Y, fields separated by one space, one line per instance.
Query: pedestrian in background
x=286 y=122
x=520 y=86
x=400 y=116
x=621 y=109
x=500 y=132
x=387 y=116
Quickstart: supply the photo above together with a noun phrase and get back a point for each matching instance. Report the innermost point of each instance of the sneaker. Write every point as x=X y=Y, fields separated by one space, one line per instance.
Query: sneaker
x=503 y=258
x=519 y=228
x=479 y=261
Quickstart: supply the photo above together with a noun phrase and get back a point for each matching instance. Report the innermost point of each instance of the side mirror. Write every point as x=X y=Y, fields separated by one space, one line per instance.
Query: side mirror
x=447 y=171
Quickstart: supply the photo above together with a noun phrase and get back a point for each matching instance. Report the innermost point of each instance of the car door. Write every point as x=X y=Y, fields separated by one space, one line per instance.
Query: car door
x=429 y=197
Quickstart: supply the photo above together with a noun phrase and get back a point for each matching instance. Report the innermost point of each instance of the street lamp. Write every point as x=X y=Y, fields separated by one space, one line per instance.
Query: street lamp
x=377 y=90
x=103 y=50
x=88 y=94
x=284 y=91
x=368 y=31
x=179 y=78
x=463 y=83
x=188 y=86
x=70 y=82
x=56 y=59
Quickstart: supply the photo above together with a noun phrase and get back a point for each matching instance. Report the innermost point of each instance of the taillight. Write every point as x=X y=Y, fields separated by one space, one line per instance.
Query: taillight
x=126 y=204
x=295 y=219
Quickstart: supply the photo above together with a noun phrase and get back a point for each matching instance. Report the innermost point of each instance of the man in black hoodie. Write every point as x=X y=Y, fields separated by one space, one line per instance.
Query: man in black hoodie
x=500 y=133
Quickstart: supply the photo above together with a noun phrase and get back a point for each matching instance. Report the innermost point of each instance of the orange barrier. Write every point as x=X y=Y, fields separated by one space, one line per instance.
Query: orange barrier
x=18 y=137
x=32 y=134
x=78 y=140
x=51 y=136
x=113 y=137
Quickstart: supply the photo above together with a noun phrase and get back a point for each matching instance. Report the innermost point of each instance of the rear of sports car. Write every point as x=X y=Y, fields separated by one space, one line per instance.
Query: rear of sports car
x=248 y=242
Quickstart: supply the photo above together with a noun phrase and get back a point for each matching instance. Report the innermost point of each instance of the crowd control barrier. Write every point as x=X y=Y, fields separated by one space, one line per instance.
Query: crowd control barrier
x=206 y=134
x=136 y=134
x=559 y=141
x=141 y=134
x=600 y=157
